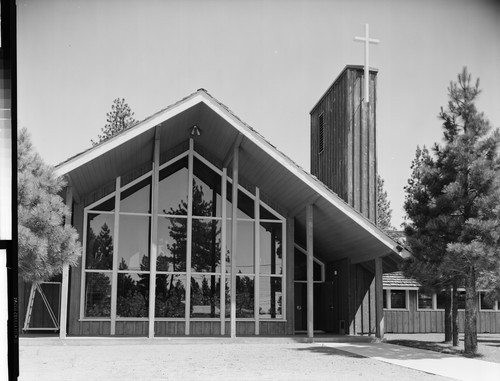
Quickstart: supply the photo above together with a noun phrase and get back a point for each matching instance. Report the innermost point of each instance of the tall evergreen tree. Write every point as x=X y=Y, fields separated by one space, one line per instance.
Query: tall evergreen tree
x=118 y=119
x=453 y=202
x=45 y=242
x=384 y=211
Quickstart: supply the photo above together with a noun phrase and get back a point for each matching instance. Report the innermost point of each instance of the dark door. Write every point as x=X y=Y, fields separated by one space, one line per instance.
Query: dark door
x=300 y=306
x=329 y=308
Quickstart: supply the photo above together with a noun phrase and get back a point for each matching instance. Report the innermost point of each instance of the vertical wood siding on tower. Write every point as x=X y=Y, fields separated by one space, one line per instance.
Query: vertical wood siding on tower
x=347 y=164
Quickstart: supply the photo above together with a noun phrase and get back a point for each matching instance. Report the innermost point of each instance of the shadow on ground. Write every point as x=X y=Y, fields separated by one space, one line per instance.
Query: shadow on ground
x=330 y=352
x=440 y=347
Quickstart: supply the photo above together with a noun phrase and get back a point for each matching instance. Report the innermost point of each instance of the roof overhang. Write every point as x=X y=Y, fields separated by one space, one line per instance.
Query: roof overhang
x=339 y=230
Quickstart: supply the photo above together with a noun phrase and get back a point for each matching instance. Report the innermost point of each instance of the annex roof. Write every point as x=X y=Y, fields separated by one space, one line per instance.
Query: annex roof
x=396 y=280
x=339 y=230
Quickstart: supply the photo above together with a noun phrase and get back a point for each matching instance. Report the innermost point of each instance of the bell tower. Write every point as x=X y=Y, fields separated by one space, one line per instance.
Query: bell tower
x=343 y=139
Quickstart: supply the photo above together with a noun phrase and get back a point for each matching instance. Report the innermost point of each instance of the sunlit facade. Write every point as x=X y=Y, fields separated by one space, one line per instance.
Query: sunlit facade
x=192 y=224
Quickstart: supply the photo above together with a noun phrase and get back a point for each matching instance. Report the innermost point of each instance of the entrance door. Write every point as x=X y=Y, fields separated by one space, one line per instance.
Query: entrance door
x=300 y=306
x=328 y=308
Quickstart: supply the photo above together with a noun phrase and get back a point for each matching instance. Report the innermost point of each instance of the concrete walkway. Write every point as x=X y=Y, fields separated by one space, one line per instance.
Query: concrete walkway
x=457 y=367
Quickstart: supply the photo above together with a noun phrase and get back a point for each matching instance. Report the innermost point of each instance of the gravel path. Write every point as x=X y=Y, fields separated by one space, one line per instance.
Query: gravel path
x=205 y=361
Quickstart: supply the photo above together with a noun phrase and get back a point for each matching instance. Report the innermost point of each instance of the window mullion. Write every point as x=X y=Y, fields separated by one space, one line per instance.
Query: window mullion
x=257 y=259
x=114 y=278
x=189 y=235
x=154 y=238
x=223 y=253
x=84 y=274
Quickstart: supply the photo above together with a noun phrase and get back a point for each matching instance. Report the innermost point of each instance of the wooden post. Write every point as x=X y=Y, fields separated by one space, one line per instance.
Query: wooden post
x=289 y=275
x=379 y=300
x=257 y=261
x=189 y=235
x=65 y=274
x=234 y=241
x=154 y=236
x=114 y=279
x=310 y=264
x=223 y=250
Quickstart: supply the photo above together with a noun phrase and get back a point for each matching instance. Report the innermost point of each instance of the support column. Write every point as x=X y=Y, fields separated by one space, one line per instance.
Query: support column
x=310 y=279
x=234 y=241
x=65 y=274
x=223 y=251
x=189 y=235
x=257 y=260
x=114 y=279
x=154 y=236
x=379 y=300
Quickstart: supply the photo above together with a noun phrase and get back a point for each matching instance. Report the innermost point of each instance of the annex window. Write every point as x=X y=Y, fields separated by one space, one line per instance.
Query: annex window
x=461 y=300
x=486 y=304
x=396 y=299
x=321 y=133
x=441 y=300
x=193 y=264
x=425 y=301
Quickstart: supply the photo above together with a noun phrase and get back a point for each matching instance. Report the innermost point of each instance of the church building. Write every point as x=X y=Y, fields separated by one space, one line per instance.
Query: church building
x=192 y=223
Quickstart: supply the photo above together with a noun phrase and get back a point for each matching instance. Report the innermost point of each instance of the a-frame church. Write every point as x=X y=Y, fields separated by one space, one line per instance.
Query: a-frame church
x=192 y=223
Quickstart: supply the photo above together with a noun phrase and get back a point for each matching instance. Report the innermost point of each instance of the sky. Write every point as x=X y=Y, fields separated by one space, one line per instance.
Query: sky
x=268 y=61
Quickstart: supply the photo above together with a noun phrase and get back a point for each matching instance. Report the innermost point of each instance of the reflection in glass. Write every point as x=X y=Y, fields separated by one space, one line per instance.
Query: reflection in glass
x=97 y=295
x=133 y=291
x=245 y=249
x=133 y=248
x=205 y=296
x=170 y=296
x=270 y=302
x=300 y=267
x=206 y=245
x=206 y=191
x=173 y=188
x=271 y=248
x=486 y=302
x=398 y=299
x=265 y=214
x=106 y=206
x=424 y=301
x=246 y=208
x=99 y=247
x=137 y=198
x=171 y=244
x=244 y=296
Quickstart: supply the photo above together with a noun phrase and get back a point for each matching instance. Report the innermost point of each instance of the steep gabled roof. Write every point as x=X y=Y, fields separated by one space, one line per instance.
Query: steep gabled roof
x=340 y=229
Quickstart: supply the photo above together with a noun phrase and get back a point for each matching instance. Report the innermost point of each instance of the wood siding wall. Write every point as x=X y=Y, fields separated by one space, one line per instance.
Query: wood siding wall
x=348 y=162
x=361 y=301
x=432 y=321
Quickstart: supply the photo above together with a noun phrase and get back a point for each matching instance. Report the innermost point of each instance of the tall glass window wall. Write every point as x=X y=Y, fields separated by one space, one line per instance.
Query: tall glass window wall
x=118 y=240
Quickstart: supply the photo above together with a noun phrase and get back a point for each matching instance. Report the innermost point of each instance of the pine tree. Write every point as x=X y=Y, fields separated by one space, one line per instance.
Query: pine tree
x=118 y=119
x=45 y=242
x=453 y=202
x=384 y=211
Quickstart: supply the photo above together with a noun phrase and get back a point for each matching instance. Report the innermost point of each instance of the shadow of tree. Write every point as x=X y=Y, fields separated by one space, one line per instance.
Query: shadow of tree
x=433 y=346
x=330 y=352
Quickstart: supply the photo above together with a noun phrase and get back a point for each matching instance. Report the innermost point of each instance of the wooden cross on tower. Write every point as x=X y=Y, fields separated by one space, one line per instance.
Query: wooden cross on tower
x=367 y=40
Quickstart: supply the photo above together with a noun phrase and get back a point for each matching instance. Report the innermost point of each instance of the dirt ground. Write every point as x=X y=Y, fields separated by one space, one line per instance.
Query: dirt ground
x=205 y=361
x=488 y=344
